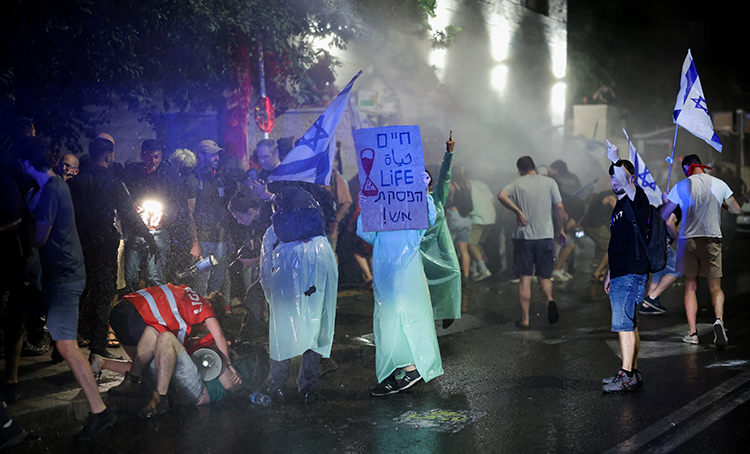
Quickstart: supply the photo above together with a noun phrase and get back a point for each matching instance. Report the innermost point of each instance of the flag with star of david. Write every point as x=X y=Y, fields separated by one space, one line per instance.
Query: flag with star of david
x=691 y=110
x=311 y=160
x=643 y=177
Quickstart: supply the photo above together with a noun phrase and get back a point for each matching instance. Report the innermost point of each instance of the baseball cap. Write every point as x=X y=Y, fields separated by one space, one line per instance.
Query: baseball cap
x=207 y=146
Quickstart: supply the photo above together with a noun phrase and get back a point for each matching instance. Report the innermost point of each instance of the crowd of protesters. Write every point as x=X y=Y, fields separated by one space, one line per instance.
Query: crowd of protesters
x=192 y=234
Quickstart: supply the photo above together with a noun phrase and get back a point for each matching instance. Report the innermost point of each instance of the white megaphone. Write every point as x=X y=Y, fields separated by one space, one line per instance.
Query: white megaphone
x=208 y=362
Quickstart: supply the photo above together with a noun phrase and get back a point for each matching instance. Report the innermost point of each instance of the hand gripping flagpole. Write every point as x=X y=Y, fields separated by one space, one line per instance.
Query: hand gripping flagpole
x=670 y=159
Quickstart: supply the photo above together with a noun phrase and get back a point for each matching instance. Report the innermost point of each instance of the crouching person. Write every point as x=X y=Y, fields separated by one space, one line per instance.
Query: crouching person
x=160 y=328
x=299 y=275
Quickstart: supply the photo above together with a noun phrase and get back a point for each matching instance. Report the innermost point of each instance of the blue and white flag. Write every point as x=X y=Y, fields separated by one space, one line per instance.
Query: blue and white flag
x=311 y=160
x=690 y=110
x=643 y=177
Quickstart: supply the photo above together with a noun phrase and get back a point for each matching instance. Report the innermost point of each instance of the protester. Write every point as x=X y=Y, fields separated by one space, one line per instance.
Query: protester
x=160 y=328
x=438 y=254
x=211 y=217
x=54 y=233
x=483 y=217
x=458 y=216
x=343 y=200
x=406 y=348
x=700 y=197
x=662 y=280
x=595 y=225
x=532 y=199
x=626 y=280
x=300 y=280
x=11 y=433
x=67 y=168
x=185 y=161
x=153 y=187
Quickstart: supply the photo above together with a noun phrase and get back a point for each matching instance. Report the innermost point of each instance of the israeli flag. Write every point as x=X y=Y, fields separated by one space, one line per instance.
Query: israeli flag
x=311 y=160
x=643 y=177
x=690 y=110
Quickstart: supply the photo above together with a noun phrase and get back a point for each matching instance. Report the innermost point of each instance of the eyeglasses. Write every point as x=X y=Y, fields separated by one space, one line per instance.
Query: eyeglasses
x=68 y=166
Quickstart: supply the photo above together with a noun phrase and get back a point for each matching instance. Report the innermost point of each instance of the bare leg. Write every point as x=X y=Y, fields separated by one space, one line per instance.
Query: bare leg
x=165 y=357
x=656 y=289
x=601 y=269
x=144 y=353
x=564 y=254
x=629 y=346
x=83 y=373
x=115 y=366
x=717 y=297
x=691 y=302
x=363 y=265
x=465 y=258
x=546 y=288
x=524 y=295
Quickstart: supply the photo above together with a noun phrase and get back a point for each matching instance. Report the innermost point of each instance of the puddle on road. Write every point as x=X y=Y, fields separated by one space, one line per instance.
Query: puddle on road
x=437 y=420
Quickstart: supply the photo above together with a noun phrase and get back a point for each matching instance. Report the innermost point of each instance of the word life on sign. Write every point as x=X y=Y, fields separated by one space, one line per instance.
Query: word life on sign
x=391 y=169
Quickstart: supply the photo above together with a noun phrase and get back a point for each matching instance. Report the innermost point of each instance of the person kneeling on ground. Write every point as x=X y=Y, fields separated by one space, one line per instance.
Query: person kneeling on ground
x=160 y=327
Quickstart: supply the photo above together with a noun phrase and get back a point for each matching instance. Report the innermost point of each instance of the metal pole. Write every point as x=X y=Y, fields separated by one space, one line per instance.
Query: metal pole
x=671 y=158
x=262 y=74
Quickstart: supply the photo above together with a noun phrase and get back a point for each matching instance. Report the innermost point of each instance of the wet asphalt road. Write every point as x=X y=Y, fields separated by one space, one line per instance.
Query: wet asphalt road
x=504 y=390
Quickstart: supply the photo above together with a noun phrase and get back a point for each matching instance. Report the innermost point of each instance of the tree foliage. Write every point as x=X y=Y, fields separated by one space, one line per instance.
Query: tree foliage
x=60 y=58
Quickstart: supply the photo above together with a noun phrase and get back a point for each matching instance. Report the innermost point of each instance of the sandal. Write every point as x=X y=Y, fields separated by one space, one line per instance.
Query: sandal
x=521 y=325
x=112 y=341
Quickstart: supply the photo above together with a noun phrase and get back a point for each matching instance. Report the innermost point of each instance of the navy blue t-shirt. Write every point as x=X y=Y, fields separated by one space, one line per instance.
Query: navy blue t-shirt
x=623 y=240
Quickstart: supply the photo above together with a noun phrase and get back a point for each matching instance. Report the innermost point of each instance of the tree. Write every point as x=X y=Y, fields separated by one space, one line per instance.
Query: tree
x=60 y=58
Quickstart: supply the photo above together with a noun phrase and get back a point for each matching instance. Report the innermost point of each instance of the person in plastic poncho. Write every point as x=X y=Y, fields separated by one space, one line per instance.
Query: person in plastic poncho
x=406 y=347
x=299 y=275
x=438 y=253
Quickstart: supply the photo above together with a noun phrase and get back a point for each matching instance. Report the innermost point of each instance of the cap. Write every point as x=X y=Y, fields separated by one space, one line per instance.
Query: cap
x=207 y=146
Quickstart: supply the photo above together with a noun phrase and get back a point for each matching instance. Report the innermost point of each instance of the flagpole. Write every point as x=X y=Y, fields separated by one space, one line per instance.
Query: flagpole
x=671 y=159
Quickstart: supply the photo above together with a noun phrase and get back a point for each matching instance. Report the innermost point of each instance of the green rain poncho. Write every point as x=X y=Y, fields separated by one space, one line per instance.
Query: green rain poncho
x=300 y=280
x=439 y=255
x=402 y=321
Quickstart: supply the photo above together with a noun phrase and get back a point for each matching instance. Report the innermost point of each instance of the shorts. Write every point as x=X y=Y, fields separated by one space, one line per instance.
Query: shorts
x=533 y=255
x=699 y=256
x=60 y=302
x=670 y=269
x=127 y=323
x=186 y=385
x=478 y=233
x=625 y=292
x=600 y=236
x=459 y=227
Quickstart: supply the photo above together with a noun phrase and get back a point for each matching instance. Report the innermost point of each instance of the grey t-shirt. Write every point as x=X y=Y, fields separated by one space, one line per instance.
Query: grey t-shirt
x=534 y=195
x=61 y=256
x=700 y=198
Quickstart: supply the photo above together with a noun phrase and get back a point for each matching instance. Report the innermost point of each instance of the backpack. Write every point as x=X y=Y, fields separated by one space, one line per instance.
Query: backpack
x=656 y=242
x=462 y=200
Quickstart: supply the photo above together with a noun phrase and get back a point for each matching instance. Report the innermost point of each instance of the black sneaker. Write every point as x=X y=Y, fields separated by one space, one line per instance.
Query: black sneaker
x=410 y=379
x=309 y=395
x=11 y=393
x=552 y=315
x=637 y=373
x=386 y=388
x=11 y=435
x=651 y=306
x=95 y=424
x=129 y=387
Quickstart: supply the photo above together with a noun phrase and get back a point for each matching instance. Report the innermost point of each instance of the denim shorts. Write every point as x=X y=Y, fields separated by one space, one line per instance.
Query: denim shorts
x=625 y=292
x=60 y=302
x=533 y=257
x=670 y=269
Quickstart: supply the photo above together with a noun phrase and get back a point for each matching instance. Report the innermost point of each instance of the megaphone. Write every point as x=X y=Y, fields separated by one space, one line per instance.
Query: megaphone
x=208 y=362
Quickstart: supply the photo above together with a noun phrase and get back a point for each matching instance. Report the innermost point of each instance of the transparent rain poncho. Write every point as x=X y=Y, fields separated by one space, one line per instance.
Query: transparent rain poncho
x=439 y=255
x=300 y=280
x=402 y=321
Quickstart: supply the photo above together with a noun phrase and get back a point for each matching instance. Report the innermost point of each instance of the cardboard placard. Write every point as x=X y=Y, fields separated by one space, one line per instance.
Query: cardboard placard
x=391 y=169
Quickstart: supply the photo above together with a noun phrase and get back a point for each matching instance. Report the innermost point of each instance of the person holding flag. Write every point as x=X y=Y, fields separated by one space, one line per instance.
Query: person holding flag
x=700 y=197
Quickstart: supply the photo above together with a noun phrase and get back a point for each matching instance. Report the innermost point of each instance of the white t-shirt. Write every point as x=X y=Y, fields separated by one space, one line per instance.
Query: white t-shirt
x=534 y=195
x=700 y=198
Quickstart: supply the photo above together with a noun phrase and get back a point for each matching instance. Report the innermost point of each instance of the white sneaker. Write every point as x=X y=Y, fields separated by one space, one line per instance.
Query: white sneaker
x=559 y=275
x=720 y=334
x=690 y=338
x=566 y=274
x=482 y=275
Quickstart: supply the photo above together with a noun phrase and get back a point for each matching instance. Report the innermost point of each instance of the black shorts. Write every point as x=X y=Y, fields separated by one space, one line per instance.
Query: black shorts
x=531 y=254
x=127 y=323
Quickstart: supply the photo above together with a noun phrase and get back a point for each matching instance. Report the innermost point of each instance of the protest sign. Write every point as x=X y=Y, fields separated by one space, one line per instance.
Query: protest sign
x=391 y=168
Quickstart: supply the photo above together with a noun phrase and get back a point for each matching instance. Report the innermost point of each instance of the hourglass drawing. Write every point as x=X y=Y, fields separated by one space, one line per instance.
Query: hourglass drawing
x=367 y=156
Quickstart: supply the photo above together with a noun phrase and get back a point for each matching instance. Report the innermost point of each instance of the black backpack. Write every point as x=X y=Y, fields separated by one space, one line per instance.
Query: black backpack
x=462 y=200
x=656 y=242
